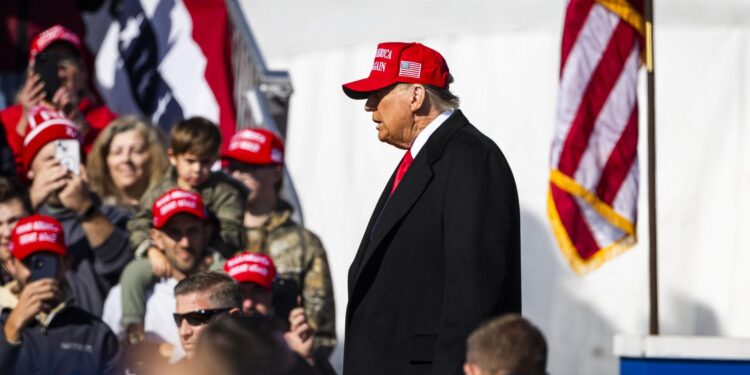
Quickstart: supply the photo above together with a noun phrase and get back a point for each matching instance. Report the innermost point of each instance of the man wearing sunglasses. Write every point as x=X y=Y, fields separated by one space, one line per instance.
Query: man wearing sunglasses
x=43 y=331
x=181 y=230
x=200 y=299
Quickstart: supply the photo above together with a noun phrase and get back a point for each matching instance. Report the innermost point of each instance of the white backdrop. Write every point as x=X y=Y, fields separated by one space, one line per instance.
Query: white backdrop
x=505 y=56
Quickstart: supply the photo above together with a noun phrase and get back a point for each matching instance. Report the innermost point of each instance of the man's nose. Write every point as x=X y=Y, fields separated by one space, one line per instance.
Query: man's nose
x=184 y=241
x=185 y=329
x=247 y=305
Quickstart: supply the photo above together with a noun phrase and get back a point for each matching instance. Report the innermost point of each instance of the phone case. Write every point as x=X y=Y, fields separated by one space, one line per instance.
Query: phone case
x=68 y=153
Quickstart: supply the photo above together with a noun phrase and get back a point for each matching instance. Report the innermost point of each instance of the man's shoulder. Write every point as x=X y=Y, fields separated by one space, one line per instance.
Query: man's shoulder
x=469 y=146
x=167 y=182
x=220 y=182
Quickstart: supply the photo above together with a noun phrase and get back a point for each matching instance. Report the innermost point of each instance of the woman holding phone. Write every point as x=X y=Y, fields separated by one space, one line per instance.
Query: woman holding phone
x=58 y=79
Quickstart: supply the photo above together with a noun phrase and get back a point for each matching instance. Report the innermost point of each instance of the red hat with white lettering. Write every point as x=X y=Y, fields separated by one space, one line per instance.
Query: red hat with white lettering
x=250 y=267
x=44 y=126
x=54 y=34
x=401 y=62
x=37 y=233
x=255 y=146
x=177 y=201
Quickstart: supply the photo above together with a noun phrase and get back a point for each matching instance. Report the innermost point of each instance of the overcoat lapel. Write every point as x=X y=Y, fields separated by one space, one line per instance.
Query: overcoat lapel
x=357 y=262
x=389 y=212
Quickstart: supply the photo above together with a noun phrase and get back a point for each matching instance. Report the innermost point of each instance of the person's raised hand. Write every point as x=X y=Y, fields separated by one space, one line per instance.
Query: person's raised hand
x=30 y=303
x=76 y=196
x=51 y=177
x=300 y=336
x=31 y=94
x=159 y=264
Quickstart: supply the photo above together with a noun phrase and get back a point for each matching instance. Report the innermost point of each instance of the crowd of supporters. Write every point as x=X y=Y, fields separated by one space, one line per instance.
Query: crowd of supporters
x=125 y=250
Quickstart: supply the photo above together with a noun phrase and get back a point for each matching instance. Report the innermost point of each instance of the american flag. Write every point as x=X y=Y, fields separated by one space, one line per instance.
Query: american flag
x=410 y=69
x=593 y=196
x=142 y=65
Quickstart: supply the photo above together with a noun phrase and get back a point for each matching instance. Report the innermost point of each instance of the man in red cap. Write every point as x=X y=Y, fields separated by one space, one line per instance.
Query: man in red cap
x=256 y=274
x=42 y=328
x=441 y=252
x=62 y=47
x=95 y=233
x=181 y=231
x=255 y=157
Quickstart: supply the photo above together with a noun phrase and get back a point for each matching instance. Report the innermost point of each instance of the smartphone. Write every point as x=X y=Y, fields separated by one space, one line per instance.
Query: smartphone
x=46 y=66
x=43 y=266
x=68 y=153
x=284 y=298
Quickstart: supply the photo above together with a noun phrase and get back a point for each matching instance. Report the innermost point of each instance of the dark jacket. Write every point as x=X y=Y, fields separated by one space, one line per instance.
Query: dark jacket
x=74 y=342
x=439 y=256
x=94 y=271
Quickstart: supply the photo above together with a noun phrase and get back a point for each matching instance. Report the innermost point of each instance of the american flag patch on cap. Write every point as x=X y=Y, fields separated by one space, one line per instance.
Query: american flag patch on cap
x=410 y=69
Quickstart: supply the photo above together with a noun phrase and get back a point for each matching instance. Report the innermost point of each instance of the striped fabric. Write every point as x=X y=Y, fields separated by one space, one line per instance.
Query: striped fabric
x=593 y=196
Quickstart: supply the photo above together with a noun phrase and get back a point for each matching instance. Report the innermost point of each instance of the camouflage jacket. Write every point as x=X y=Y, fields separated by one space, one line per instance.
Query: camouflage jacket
x=223 y=198
x=299 y=255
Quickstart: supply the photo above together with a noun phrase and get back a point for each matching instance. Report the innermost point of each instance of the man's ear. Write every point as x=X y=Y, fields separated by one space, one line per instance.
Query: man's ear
x=30 y=174
x=418 y=97
x=156 y=238
x=172 y=157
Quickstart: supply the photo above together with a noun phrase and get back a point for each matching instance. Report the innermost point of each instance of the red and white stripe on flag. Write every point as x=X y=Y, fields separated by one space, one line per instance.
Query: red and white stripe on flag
x=593 y=196
x=177 y=52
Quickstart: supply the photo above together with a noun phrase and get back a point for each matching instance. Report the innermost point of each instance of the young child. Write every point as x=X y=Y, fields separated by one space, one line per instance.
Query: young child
x=193 y=148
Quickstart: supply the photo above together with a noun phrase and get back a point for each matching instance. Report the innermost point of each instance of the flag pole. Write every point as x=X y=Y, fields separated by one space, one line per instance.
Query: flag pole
x=652 y=239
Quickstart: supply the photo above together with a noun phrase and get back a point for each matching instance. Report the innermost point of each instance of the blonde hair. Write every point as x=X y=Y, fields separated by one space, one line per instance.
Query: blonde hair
x=96 y=164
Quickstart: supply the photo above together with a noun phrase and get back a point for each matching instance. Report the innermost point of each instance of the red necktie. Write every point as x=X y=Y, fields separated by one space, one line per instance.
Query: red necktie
x=402 y=168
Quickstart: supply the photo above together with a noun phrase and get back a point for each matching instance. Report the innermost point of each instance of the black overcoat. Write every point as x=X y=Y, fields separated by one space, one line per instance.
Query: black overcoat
x=439 y=256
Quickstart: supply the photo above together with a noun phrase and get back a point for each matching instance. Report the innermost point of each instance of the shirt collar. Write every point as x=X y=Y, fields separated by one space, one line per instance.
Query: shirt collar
x=425 y=134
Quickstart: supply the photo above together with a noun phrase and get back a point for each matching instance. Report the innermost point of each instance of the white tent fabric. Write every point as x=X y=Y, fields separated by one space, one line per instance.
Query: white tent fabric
x=505 y=56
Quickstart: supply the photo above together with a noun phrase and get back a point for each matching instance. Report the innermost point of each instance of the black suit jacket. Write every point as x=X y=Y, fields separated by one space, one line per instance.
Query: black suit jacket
x=439 y=256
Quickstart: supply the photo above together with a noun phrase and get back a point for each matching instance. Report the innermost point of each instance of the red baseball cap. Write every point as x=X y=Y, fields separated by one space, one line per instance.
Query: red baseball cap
x=250 y=267
x=55 y=33
x=401 y=62
x=177 y=201
x=44 y=126
x=255 y=146
x=37 y=233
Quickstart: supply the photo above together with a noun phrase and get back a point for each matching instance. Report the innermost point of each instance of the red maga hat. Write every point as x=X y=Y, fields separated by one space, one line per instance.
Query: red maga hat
x=177 y=201
x=55 y=33
x=255 y=146
x=37 y=233
x=401 y=62
x=250 y=267
x=44 y=126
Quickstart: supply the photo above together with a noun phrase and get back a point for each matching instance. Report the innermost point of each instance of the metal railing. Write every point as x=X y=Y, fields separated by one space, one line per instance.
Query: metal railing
x=261 y=95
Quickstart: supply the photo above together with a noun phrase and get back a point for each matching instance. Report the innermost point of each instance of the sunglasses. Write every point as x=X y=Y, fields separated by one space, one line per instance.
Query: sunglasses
x=198 y=317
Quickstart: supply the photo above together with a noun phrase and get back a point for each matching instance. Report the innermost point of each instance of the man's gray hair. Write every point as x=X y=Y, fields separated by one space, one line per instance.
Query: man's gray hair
x=223 y=290
x=442 y=99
